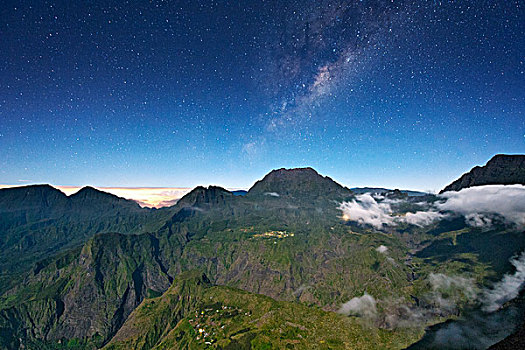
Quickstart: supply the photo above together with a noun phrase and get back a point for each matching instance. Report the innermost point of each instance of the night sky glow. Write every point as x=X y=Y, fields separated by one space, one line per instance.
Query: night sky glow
x=404 y=94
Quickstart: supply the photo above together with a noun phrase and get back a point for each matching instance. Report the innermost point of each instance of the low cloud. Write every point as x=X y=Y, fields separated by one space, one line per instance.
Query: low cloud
x=484 y=326
x=377 y=211
x=364 y=306
x=382 y=249
x=421 y=218
x=448 y=291
x=477 y=328
x=506 y=289
x=272 y=194
x=482 y=204
x=477 y=331
x=442 y=282
x=365 y=210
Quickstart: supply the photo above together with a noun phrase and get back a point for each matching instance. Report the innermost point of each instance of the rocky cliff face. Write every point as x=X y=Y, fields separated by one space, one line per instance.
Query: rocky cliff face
x=86 y=294
x=501 y=169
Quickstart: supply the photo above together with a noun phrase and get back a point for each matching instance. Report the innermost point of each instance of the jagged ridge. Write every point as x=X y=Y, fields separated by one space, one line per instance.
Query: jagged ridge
x=501 y=169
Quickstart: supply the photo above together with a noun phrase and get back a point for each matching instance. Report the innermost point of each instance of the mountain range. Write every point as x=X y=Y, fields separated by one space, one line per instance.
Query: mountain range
x=298 y=261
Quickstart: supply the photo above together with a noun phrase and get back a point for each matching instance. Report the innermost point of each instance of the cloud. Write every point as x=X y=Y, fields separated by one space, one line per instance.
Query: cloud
x=506 y=289
x=364 y=306
x=481 y=327
x=479 y=220
x=382 y=249
x=481 y=204
x=149 y=197
x=448 y=291
x=365 y=210
x=421 y=218
x=477 y=327
x=476 y=331
x=272 y=194
x=153 y=197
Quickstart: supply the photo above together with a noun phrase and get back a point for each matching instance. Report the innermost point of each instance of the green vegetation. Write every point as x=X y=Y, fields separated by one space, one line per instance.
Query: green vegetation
x=228 y=318
x=278 y=268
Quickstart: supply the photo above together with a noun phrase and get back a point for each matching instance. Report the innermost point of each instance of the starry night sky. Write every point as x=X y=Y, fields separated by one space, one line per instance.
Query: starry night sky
x=406 y=94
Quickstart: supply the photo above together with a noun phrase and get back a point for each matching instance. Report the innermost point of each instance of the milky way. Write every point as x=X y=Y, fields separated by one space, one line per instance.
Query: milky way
x=177 y=94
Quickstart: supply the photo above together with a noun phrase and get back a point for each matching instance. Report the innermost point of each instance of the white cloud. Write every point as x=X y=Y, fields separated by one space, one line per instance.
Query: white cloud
x=478 y=220
x=272 y=194
x=506 y=289
x=365 y=210
x=448 y=290
x=421 y=218
x=382 y=249
x=479 y=204
x=364 y=306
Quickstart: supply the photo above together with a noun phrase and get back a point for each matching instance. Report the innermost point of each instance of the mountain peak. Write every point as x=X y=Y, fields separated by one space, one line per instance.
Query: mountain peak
x=502 y=169
x=98 y=198
x=88 y=192
x=296 y=182
x=308 y=171
x=204 y=196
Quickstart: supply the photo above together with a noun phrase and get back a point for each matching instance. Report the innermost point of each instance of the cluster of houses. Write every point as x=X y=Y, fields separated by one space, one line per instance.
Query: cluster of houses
x=207 y=322
x=275 y=234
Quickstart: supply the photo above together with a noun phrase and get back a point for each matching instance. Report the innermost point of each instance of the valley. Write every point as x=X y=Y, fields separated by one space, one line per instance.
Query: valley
x=294 y=269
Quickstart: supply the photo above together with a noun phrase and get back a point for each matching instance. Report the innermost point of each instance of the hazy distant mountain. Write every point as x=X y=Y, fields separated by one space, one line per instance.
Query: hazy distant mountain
x=380 y=190
x=239 y=192
x=501 y=169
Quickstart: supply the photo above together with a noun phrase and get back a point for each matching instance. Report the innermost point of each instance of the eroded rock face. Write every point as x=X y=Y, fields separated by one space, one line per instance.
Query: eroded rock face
x=92 y=294
x=502 y=169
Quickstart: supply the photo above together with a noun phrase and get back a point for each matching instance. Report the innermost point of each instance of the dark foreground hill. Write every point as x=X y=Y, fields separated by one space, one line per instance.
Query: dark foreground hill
x=194 y=313
x=501 y=169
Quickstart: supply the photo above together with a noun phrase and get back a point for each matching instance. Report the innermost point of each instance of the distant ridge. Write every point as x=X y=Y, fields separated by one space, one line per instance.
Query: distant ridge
x=502 y=169
x=15 y=198
x=37 y=221
x=379 y=190
x=39 y=197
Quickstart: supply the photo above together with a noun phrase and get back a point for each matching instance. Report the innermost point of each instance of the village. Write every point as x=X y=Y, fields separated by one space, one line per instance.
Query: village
x=274 y=234
x=211 y=323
